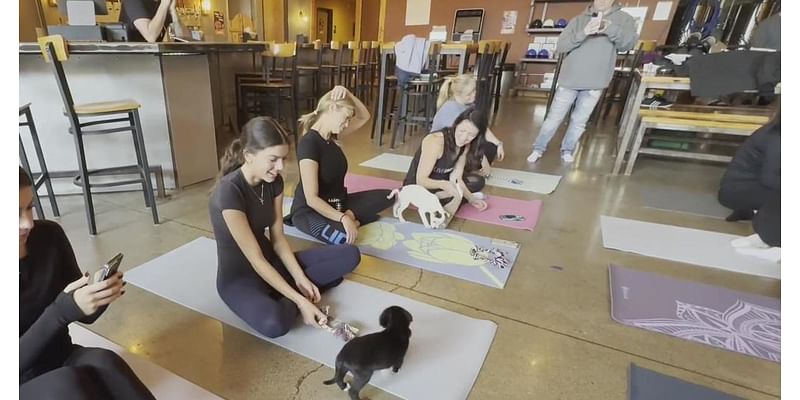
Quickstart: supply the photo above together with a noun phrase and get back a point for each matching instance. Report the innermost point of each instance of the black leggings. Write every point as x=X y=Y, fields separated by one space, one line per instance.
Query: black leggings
x=754 y=196
x=365 y=205
x=88 y=373
x=269 y=312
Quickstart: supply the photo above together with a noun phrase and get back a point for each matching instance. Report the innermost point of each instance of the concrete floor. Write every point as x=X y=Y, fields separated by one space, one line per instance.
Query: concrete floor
x=555 y=337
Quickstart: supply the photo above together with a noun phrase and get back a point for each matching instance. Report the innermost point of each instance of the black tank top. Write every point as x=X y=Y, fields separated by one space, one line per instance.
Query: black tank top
x=441 y=170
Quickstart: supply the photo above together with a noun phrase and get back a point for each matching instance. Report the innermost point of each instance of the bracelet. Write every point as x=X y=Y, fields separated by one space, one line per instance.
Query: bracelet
x=342 y=217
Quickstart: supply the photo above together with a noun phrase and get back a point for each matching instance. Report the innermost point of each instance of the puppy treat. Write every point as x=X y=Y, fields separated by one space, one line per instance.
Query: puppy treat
x=338 y=328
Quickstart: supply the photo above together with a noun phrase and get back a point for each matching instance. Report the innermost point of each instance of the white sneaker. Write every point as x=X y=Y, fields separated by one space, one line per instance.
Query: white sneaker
x=567 y=158
x=534 y=157
x=752 y=241
x=772 y=254
x=479 y=195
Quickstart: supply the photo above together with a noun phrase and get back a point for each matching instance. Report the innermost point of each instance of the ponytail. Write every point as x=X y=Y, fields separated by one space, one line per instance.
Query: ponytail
x=308 y=120
x=444 y=92
x=232 y=159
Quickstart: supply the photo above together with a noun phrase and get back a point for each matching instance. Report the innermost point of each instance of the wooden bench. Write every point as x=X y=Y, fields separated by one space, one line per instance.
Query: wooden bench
x=687 y=121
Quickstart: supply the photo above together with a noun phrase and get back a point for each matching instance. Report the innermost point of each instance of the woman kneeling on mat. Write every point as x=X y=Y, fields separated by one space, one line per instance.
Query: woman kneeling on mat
x=258 y=275
x=322 y=207
x=52 y=294
x=439 y=163
x=456 y=95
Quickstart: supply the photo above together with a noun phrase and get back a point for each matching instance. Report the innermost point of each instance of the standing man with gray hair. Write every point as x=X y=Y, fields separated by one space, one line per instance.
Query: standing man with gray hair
x=589 y=45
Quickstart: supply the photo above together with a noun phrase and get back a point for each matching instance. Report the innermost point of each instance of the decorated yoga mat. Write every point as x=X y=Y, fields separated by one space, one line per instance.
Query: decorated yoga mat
x=512 y=213
x=501 y=177
x=719 y=317
x=677 y=200
x=162 y=383
x=691 y=246
x=461 y=255
x=448 y=346
x=644 y=384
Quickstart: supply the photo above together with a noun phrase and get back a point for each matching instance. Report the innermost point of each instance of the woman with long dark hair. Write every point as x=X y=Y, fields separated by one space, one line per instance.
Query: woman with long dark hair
x=439 y=163
x=53 y=292
x=258 y=275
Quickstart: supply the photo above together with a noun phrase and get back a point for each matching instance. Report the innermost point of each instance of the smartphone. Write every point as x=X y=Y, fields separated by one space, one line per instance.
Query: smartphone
x=110 y=268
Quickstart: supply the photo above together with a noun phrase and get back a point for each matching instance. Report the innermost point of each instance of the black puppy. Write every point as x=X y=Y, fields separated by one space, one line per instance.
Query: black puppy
x=364 y=355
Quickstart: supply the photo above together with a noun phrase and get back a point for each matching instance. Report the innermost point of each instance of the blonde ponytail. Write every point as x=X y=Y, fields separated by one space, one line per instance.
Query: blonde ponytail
x=308 y=120
x=455 y=84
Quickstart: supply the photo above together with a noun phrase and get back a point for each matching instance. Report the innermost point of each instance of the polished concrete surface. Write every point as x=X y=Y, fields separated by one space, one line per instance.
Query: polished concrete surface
x=555 y=337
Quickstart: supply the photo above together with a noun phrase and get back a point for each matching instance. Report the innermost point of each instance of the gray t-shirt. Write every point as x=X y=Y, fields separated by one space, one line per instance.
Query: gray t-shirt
x=447 y=114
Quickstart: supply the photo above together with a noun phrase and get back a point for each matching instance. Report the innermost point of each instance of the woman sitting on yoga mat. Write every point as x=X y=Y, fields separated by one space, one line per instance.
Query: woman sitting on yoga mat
x=439 y=163
x=258 y=275
x=53 y=292
x=456 y=95
x=322 y=207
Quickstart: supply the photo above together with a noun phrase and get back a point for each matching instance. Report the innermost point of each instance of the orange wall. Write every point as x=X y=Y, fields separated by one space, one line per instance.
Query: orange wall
x=370 y=10
x=442 y=12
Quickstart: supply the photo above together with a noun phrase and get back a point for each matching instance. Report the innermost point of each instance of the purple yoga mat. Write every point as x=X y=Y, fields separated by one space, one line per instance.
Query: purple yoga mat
x=719 y=317
x=527 y=211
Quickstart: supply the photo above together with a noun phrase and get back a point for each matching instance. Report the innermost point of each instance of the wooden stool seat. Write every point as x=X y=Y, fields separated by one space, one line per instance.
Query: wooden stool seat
x=706 y=116
x=262 y=85
x=106 y=107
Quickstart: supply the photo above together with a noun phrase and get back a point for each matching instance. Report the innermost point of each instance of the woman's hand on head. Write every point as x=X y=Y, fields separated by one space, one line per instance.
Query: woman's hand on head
x=339 y=92
x=90 y=297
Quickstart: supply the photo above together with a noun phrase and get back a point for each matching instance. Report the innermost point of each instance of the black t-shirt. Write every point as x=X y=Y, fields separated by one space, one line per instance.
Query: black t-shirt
x=332 y=168
x=135 y=9
x=44 y=309
x=441 y=169
x=234 y=193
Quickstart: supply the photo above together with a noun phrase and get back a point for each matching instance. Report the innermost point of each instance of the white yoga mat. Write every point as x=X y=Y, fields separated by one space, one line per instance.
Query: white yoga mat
x=162 y=383
x=504 y=178
x=678 y=200
x=692 y=246
x=444 y=358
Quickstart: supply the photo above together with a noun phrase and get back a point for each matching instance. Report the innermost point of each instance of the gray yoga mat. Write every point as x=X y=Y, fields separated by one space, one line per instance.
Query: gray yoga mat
x=644 y=384
x=437 y=250
x=447 y=346
x=691 y=246
x=682 y=201
x=715 y=316
x=501 y=177
x=162 y=383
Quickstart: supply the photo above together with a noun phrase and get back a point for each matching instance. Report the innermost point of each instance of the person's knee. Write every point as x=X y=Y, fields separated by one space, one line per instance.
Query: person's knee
x=71 y=383
x=474 y=183
x=351 y=257
x=100 y=358
x=274 y=327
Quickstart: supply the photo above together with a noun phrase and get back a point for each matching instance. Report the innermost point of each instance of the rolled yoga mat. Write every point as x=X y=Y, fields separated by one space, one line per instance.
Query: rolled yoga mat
x=501 y=177
x=691 y=246
x=502 y=211
x=644 y=384
x=437 y=250
x=444 y=357
x=162 y=383
x=677 y=200
x=719 y=317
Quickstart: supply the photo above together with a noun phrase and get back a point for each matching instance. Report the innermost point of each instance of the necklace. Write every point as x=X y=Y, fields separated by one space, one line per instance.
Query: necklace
x=260 y=198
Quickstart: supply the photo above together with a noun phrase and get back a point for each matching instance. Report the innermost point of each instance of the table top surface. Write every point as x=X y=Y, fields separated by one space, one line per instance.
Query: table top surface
x=149 y=48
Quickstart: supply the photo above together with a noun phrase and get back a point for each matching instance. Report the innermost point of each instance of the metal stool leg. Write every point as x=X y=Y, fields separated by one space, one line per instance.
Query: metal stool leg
x=400 y=123
x=84 y=176
x=37 y=203
x=37 y=146
x=139 y=136
x=139 y=159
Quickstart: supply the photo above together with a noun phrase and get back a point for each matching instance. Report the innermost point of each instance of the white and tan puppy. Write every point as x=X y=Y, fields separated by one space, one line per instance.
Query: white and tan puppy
x=430 y=210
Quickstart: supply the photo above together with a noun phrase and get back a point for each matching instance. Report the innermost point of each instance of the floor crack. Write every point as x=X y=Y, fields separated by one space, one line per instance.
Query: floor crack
x=302 y=379
x=419 y=279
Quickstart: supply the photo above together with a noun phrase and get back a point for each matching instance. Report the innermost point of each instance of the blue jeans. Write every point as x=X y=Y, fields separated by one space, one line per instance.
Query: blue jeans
x=584 y=100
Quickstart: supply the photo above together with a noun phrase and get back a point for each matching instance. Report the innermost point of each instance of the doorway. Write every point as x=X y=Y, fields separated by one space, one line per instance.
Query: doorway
x=324 y=24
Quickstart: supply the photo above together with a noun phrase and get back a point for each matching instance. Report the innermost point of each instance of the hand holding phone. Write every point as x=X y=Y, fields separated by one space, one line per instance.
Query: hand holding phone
x=109 y=268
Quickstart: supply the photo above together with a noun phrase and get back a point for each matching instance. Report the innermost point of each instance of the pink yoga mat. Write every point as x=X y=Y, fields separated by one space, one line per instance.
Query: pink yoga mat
x=527 y=211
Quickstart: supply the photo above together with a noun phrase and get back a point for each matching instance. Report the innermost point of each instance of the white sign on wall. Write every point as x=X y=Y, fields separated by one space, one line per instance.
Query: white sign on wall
x=418 y=12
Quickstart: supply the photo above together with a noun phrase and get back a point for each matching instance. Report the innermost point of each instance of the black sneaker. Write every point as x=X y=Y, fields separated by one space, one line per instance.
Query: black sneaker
x=740 y=215
x=655 y=103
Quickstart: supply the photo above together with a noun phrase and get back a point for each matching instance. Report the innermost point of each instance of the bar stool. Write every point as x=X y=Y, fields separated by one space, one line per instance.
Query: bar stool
x=374 y=67
x=348 y=69
x=418 y=99
x=484 y=65
x=279 y=66
x=362 y=71
x=44 y=175
x=311 y=70
x=497 y=73
x=329 y=64
x=386 y=74
x=54 y=49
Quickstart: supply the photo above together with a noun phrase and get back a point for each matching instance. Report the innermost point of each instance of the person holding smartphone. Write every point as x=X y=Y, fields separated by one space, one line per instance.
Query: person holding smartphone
x=52 y=294
x=259 y=277
x=147 y=20
x=588 y=46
